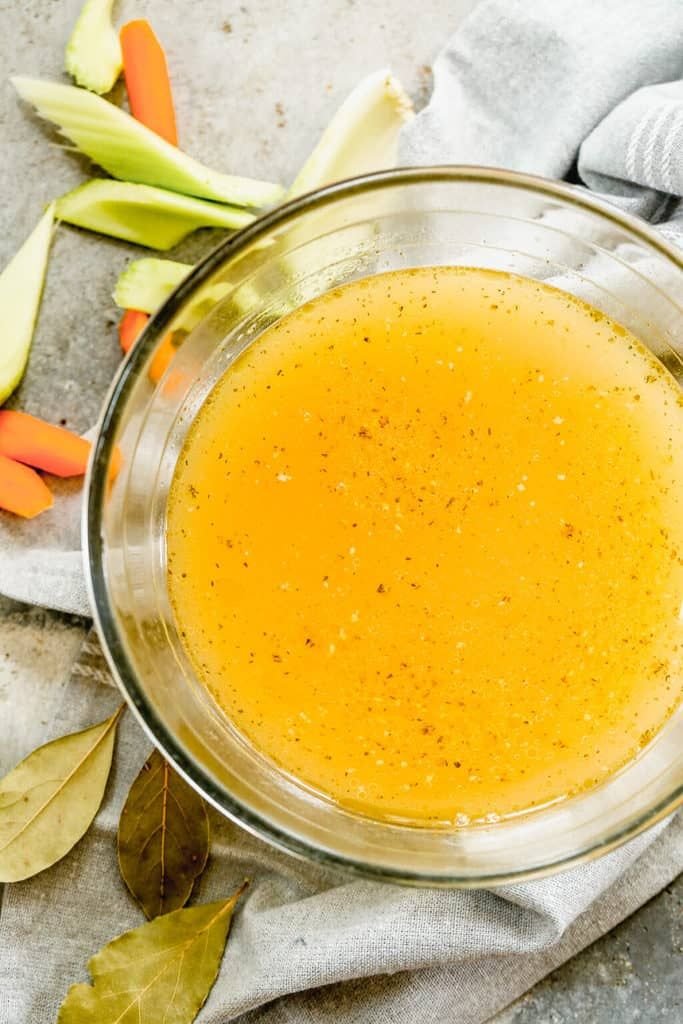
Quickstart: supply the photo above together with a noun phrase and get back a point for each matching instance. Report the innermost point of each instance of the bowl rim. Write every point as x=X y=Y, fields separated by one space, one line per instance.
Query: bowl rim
x=95 y=492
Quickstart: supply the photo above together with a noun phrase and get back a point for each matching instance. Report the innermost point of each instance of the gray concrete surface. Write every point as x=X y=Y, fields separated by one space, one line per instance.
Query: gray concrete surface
x=254 y=83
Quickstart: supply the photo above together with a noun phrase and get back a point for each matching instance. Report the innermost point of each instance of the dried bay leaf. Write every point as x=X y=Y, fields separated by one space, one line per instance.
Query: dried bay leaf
x=163 y=838
x=159 y=973
x=48 y=801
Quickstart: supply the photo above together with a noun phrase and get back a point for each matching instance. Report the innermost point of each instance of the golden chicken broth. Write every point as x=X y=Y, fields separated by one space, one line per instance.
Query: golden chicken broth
x=424 y=544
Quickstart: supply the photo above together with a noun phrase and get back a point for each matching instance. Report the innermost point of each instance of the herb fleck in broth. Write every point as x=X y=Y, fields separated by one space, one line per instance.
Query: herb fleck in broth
x=424 y=544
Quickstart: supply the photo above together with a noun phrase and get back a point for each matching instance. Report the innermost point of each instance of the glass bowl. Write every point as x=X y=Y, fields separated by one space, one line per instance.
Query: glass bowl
x=403 y=218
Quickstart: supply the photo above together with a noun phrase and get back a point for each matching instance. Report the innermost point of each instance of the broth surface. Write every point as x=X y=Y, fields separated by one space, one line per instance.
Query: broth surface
x=425 y=544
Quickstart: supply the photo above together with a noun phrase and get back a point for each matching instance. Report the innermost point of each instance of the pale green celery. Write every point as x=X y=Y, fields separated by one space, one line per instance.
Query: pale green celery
x=93 y=53
x=21 y=286
x=361 y=137
x=139 y=213
x=146 y=284
x=129 y=151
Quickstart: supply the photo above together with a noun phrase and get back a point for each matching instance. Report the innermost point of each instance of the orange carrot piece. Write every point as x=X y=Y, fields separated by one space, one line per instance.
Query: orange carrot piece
x=115 y=463
x=162 y=357
x=22 y=491
x=147 y=82
x=130 y=327
x=27 y=439
x=175 y=382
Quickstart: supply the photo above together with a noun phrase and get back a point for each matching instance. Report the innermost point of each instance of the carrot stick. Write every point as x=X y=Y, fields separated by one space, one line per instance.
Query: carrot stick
x=130 y=327
x=27 y=439
x=115 y=463
x=162 y=357
x=147 y=82
x=22 y=491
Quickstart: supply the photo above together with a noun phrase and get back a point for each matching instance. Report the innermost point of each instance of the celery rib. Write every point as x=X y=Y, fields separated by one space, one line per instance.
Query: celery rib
x=131 y=152
x=21 y=288
x=148 y=216
x=93 y=53
x=145 y=284
x=361 y=137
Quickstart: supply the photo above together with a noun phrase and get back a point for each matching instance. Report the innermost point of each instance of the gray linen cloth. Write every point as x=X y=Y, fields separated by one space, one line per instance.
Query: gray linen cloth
x=535 y=86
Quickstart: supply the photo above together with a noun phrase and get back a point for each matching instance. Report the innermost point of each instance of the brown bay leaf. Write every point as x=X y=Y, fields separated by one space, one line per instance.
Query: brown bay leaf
x=48 y=801
x=163 y=838
x=159 y=973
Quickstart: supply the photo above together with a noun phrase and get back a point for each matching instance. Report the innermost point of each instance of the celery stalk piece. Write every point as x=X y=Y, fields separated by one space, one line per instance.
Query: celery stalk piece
x=146 y=284
x=93 y=53
x=142 y=214
x=131 y=152
x=21 y=286
x=361 y=137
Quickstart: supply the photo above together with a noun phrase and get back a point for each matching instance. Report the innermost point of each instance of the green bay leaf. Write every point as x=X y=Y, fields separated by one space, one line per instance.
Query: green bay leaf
x=48 y=801
x=163 y=838
x=160 y=972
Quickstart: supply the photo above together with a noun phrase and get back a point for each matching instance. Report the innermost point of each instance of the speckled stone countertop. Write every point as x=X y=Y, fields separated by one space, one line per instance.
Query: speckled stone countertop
x=254 y=83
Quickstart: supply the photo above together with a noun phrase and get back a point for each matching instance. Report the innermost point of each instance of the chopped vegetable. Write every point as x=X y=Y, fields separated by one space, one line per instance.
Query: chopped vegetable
x=93 y=53
x=146 y=284
x=361 y=137
x=162 y=358
x=22 y=491
x=115 y=464
x=21 y=286
x=142 y=214
x=42 y=445
x=131 y=325
x=128 y=150
x=147 y=83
